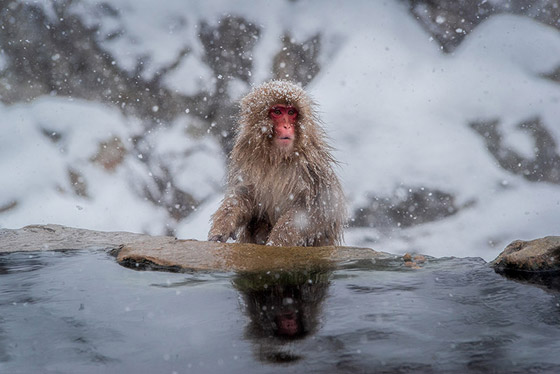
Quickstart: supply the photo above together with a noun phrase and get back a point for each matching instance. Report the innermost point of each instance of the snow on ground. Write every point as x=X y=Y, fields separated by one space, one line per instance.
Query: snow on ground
x=43 y=140
x=395 y=107
x=403 y=119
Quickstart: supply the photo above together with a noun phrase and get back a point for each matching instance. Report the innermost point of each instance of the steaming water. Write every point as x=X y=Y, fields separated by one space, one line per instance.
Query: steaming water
x=81 y=312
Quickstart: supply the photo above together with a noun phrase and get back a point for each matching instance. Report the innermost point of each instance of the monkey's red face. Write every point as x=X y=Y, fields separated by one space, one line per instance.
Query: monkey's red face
x=284 y=119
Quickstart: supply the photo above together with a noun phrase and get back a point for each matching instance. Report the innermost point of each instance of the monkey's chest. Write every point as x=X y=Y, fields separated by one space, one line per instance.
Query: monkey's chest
x=276 y=193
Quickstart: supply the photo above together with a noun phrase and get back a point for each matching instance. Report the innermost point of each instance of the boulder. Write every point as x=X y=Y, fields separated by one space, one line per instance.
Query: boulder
x=537 y=255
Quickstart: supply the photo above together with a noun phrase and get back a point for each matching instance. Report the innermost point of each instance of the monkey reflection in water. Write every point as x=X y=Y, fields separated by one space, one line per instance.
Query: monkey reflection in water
x=283 y=306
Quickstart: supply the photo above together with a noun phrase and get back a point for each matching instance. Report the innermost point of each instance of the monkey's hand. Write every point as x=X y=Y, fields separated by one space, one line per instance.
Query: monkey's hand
x=217 y=238
x=223 y=228
x=221 y=238
x=233 y=213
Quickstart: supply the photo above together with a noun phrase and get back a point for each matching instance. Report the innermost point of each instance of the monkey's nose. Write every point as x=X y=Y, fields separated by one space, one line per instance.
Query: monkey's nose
x=286 y=123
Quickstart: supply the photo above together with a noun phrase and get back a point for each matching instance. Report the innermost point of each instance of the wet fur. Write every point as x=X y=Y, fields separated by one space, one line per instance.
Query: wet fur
x=276 y=197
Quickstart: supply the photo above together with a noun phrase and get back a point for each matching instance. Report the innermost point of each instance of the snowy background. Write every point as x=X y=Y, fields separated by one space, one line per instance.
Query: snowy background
x=445 y=115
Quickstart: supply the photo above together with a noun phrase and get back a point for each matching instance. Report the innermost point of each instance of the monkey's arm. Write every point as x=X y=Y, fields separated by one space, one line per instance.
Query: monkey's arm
x=234 y=212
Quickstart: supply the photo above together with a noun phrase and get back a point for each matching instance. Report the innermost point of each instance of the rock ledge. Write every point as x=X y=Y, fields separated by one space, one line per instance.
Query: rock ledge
x=530 y=256
x=167 y=253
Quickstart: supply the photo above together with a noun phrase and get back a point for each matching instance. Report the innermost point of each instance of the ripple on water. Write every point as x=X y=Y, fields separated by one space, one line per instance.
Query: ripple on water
x=81 y=312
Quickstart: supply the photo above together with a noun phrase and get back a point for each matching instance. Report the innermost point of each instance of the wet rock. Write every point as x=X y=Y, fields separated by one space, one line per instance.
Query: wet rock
x=539 y=255
x=176 y=255
x=167 y=253
x=58 y=238
x=413 y=261
x=545 y=280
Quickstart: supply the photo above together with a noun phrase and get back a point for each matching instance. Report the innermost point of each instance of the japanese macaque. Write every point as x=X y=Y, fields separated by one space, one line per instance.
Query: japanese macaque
x=281 y=187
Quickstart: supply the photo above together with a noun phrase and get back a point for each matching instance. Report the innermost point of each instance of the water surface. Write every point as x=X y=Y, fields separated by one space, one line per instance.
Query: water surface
x=81 y=312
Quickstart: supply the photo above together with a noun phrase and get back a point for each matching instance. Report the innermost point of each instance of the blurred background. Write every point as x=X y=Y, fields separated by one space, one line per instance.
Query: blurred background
x=445 y=114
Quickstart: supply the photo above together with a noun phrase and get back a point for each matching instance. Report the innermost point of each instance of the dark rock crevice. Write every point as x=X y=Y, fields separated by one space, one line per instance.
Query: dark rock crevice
x=408 y=206
x=544 y=166
x=450 y=21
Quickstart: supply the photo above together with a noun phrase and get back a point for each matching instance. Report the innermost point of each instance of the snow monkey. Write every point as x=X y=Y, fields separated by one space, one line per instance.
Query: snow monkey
x=281 y=188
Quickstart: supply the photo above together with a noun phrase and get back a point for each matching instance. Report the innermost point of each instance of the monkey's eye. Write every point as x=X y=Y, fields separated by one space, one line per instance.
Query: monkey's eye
x=277 y=111
x=291 y=112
